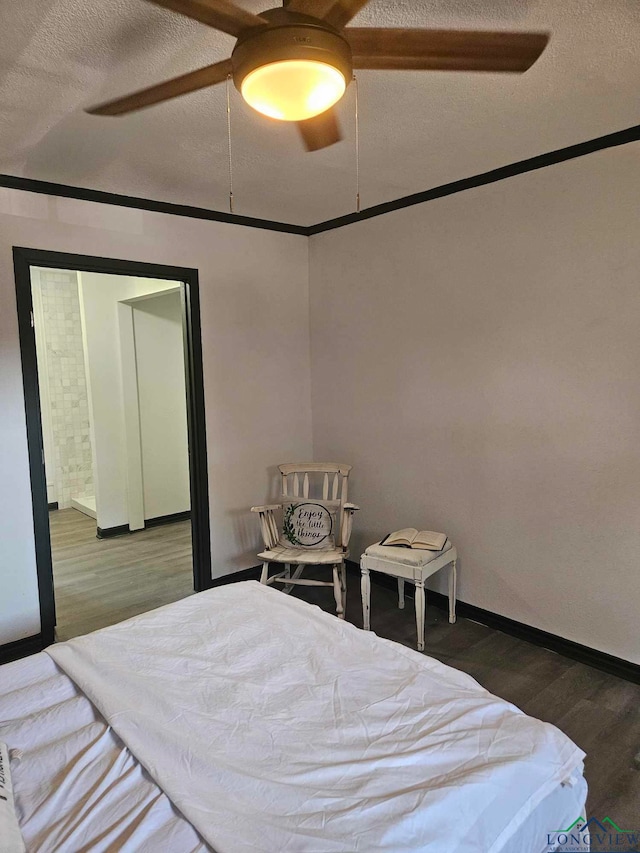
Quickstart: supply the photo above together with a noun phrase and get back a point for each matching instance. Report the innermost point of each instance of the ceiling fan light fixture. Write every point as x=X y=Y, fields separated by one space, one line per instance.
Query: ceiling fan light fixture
x=293 y=89
x=293 y=69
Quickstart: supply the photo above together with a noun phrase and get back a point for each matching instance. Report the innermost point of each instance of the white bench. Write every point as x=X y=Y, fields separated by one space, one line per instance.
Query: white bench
x=407 y=564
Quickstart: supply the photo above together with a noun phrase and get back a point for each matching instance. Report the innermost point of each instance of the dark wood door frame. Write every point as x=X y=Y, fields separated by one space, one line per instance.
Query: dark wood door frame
x=23 y=260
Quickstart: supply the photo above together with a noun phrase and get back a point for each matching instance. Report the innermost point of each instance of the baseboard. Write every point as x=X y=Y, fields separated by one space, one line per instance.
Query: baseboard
x=252 y=574
x=575 y=651
x=53 y=505
x=167 y=519
x=108 y=532
x=122 y=529
x=21 y=648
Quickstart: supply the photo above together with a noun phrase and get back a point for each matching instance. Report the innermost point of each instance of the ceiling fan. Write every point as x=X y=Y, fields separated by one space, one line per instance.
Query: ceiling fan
x=294 y=63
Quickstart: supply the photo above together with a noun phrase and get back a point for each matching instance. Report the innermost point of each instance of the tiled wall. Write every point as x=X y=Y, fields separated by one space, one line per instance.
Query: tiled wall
x=69 y=408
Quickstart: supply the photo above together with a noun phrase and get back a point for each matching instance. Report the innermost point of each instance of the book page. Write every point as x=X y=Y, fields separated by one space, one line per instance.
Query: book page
x=429 y=539
x=401 y=537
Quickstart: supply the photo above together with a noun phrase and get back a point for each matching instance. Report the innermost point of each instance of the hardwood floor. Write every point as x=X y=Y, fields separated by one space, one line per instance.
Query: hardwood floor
x=599 y=712
x=102 y=581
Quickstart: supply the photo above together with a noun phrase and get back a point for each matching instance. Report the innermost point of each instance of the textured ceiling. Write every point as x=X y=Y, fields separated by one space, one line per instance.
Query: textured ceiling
x=417 y=129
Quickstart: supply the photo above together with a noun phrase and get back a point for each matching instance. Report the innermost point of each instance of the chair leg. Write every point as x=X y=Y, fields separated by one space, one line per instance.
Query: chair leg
x=287 y=573
x=401 y=593
x=452 y=592
x=365 y=586
x=337 y=591
x=294 y=577
x=343 y=586
x=265 y=573
x=420 y=607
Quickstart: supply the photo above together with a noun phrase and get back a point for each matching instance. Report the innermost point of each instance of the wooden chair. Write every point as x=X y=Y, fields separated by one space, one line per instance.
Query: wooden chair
x=308 y=481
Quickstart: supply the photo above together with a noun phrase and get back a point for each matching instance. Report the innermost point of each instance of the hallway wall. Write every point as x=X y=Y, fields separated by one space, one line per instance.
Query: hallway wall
x=99 y=298
x=162 y=405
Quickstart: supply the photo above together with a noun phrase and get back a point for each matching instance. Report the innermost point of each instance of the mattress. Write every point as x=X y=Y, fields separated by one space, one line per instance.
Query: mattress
x=78 y=788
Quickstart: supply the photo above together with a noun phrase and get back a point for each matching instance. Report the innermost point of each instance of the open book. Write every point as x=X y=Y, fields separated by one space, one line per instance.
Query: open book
x=409 y=537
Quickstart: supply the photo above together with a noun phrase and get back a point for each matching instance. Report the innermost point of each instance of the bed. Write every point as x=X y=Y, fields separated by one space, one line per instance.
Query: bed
x=241 y=719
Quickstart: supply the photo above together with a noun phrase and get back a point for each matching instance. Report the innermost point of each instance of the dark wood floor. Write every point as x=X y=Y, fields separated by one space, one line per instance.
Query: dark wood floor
x=102 y=581
x=599 y=712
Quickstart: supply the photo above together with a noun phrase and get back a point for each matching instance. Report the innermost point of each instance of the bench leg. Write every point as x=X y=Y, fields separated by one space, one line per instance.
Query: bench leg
x=401 y=593
x=365 y=586
x=343 y=585
x=265 y=573
x=420 y=606
x=452 y=592
x=337 y=591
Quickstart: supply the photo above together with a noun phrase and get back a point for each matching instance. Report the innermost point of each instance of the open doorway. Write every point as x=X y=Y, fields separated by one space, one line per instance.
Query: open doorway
x=115 y=418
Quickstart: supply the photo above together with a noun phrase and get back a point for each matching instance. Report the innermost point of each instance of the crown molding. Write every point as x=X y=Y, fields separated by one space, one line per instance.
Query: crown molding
x=84 y=194
x=541 y=161
x=571 y=152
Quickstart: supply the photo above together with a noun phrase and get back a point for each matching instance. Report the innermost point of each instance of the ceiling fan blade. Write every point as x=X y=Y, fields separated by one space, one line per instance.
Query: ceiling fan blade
x=221 y=14
x=343 y=11
x=444 y=50
x=190 y=82
x=320 y=131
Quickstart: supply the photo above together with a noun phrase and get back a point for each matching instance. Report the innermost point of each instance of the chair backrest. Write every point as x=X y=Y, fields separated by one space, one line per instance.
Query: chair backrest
x=328 y=481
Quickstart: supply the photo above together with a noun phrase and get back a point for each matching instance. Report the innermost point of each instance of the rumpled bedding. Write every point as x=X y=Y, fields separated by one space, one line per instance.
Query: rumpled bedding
x=273 y=726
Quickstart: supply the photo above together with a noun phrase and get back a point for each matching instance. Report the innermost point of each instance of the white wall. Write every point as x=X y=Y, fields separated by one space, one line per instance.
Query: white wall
x=254 y=296
x=477 y=359
x=99 y=298
x=159 y=345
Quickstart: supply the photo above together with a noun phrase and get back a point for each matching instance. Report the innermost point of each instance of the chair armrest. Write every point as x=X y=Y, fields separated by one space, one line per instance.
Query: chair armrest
x=268 y=526
x=347 y=523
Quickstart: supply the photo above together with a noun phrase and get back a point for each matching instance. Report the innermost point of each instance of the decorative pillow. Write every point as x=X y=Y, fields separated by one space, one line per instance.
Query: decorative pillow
x=308 y=523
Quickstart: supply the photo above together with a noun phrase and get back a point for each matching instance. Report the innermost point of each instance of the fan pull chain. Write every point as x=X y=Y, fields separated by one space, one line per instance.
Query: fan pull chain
x=355 y=82
x=229 y=146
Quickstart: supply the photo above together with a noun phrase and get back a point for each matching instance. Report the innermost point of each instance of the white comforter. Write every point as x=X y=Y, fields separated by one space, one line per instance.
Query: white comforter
x=275 y=727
